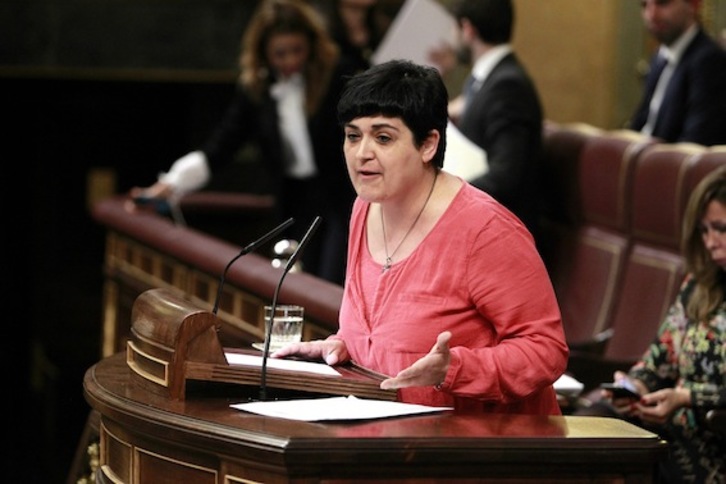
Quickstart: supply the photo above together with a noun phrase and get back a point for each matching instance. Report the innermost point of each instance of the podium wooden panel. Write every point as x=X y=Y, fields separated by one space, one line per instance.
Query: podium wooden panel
x=148 y=438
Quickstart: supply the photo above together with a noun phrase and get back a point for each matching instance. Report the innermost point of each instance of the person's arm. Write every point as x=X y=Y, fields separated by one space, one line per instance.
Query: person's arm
x=658 y=367
x=511 y=126
x=657 y=372
x=193 y=171
x=705 y=117
x=511 y=289
x=187 y=174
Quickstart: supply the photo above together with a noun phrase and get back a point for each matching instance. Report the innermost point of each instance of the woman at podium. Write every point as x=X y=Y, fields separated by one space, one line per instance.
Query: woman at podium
x=445 y=292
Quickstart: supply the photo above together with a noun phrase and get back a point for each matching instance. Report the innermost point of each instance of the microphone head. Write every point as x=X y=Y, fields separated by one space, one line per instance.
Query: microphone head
x=299 y=249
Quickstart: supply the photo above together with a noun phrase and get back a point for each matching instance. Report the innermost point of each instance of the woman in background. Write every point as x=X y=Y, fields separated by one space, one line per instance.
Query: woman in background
x=291 y=78
x=682 y=375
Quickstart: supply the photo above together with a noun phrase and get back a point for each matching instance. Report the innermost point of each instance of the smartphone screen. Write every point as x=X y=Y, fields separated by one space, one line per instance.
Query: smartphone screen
x=620 y=391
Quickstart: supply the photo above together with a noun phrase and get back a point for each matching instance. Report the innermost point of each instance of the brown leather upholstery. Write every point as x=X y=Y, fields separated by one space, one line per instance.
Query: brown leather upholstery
x=562 y=201
x=653 y=267
x=588 y=275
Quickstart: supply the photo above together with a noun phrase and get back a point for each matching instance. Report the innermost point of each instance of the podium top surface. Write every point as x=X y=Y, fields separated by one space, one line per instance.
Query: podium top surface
x=109 y=389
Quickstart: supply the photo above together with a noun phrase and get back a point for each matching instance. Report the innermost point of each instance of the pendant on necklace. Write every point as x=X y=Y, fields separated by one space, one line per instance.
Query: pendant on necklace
x=387 y=265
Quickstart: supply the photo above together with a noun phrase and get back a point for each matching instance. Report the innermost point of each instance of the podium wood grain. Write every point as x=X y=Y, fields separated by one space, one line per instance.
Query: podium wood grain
x=147 y=438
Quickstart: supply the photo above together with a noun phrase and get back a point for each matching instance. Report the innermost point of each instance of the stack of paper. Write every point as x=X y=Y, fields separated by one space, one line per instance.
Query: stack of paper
x=335 y=408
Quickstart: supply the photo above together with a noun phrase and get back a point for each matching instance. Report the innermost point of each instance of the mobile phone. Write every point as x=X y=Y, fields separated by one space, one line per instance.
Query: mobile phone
x=620 y=391
x=159 y=205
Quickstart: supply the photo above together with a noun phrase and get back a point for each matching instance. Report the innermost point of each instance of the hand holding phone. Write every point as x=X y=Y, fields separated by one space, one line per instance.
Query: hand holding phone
x=160 y=205
x=621 y=389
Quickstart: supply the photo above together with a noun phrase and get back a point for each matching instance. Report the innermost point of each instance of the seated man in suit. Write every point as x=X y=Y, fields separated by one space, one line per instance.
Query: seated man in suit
x=684 y=98
x=499 y=109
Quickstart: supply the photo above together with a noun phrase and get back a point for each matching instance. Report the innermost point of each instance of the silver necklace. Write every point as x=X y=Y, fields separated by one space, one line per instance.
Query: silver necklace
x=389 y=257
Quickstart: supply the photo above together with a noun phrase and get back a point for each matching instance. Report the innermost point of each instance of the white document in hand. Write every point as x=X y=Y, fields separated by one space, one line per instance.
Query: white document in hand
x=335 y=408
x=419 y=27
x=463 y=157
x=280 y=364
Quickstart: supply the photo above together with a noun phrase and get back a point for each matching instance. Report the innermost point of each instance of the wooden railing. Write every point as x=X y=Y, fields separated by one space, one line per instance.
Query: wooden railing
x=145 y=250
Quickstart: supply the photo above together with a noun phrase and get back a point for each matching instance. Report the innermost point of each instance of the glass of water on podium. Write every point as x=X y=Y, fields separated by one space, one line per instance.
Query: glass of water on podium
x=287 y=325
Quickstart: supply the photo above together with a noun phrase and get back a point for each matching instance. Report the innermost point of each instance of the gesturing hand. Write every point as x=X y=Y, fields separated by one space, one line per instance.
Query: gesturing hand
x=659 y=406
x=332 y=351
x=429 y=370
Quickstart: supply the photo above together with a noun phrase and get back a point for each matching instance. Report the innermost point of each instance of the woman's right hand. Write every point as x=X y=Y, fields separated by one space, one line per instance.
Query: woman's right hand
x=138 y=195
x=333 y=351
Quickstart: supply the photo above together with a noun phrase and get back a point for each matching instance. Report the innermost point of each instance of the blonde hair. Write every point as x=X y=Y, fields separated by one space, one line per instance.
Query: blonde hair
x=708 y=292
x=286 y=17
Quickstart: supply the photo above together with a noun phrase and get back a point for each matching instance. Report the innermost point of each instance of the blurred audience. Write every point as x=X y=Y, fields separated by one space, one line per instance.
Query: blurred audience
x=291 y=77
x=684 y=97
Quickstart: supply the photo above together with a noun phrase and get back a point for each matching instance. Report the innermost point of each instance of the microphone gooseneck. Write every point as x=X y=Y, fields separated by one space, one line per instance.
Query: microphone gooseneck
x=249 y=248
x=268 y=324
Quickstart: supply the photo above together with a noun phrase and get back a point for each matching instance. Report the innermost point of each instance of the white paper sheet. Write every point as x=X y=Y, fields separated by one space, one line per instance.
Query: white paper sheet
x=567 y=385
x=335 y=408
x=463 y=157
x=419 y=27
x=281 y=364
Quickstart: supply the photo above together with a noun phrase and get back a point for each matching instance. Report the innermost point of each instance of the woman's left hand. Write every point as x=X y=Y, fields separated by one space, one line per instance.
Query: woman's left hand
x=658 y=407
x=429 y=370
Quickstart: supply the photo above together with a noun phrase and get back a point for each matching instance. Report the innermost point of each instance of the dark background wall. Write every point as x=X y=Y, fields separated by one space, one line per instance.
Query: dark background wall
x=115 y=87
x=96 y=96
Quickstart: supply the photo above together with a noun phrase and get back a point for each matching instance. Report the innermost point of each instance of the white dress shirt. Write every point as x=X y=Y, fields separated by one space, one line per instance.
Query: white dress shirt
x=672 y=54
x=297 y=147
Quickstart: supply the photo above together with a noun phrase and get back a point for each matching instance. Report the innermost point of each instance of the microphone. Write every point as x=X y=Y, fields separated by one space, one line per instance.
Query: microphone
x=249 y=248
x=268 y=327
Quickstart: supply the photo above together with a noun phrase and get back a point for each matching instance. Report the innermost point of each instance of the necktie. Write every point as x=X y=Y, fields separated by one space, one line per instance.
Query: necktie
x=656 y=69
x=657 y=83
x=468 y=89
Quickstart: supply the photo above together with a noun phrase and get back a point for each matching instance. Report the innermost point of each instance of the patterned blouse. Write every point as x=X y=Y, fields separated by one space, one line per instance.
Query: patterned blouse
x=690 y=355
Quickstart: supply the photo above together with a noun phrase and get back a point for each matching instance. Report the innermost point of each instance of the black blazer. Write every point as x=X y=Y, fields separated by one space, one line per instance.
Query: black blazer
x=249 y=121
x=504 y=117
x=329 y=194
x=694 y=104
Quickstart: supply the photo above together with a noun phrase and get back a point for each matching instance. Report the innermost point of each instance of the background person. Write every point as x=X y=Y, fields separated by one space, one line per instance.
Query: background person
x=290 y=82
x=682 y=375
x=499 y=108
x=684 y=98
x=445 y=291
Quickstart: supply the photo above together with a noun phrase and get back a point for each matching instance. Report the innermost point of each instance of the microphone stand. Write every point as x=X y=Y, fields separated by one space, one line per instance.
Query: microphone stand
x=273 y=306
x=249 y=248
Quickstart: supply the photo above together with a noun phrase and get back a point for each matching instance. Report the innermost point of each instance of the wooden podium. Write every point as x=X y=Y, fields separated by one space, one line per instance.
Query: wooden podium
x=152 y=428
x=148 y=438
x=174 y=342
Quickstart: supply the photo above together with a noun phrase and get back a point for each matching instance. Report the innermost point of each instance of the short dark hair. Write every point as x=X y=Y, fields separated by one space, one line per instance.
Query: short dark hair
x=400 y=89
x=493 y=19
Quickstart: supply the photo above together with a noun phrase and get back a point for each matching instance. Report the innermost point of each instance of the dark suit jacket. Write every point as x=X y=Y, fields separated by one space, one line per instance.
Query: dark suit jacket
x=694 y=104
x=330 y=194
x=504 y=117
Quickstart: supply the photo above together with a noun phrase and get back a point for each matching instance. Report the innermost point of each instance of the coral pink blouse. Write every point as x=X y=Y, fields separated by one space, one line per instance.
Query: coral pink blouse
x=478 y=275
